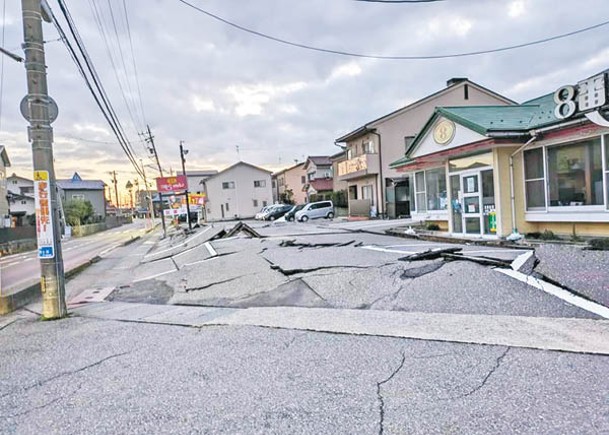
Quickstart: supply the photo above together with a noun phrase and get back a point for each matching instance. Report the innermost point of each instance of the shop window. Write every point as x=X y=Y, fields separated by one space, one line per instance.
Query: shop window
x=575 y=174
x=419 y=183
x=534 y=179
x=435 y=187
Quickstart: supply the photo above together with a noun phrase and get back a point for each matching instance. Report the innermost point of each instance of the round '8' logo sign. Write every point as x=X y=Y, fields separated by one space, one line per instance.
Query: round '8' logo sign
x=564 y=98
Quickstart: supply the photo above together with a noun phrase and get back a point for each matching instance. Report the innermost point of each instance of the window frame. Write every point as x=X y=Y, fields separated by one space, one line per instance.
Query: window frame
x=564 y=211
x=259 y=184
x=543 y=179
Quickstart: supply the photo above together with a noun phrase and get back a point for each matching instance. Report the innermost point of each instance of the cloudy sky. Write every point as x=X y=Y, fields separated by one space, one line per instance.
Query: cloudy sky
x=216 y=87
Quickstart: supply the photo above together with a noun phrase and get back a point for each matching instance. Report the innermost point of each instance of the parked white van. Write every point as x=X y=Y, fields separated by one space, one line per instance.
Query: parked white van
x=316 y=210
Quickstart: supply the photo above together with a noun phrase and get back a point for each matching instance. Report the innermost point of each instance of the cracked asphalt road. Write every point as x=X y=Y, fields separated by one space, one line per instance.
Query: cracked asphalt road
x=104 y=376
x=91 y=376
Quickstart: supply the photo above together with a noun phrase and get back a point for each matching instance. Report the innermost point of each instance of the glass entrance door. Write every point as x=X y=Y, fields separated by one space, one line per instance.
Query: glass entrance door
x=473 y=202
x=471 y=213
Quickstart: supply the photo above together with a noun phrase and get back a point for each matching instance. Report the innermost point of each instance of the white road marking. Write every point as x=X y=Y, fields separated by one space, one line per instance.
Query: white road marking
x=199 y=261
x=211 y=249
x=184 y=243
x=558 y=292
x=521 y=259
x=379 y=249
x=155 y=276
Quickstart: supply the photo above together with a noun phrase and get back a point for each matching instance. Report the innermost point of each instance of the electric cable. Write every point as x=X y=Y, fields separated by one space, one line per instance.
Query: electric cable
x=381 y=57
x=101 y=99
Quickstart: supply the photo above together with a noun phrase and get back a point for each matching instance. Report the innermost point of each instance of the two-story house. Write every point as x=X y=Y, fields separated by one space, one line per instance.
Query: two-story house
x=20 y=199
x=289 y=184
x=237 y=192
x=319 y=177
x=76 y=188
x=373 y=184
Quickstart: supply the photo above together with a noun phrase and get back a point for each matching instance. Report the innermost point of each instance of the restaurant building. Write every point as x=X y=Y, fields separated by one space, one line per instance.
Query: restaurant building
x=496 y=171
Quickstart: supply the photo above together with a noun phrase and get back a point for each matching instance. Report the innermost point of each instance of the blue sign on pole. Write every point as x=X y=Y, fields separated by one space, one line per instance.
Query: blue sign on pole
x=46 y=252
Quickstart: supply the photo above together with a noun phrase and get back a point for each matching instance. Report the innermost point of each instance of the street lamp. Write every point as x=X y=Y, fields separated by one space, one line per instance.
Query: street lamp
x=129 y=188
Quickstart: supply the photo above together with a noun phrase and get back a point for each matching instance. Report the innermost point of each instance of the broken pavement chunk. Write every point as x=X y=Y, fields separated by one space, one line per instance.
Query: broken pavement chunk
x=430 y=254
x=485 y=261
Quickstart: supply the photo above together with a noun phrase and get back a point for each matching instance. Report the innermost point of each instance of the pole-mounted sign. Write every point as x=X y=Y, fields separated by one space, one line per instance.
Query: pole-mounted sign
x=172 y=184
x=44 y=216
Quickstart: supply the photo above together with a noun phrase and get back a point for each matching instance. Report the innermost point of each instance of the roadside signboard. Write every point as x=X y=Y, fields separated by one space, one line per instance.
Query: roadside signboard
x=171 y=184
x=197 y=199
x=44 y=217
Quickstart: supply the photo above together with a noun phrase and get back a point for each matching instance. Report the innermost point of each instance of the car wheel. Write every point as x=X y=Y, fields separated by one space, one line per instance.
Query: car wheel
x=290 y=219
x=304 y=218
x=330 y=215
x=272 y=218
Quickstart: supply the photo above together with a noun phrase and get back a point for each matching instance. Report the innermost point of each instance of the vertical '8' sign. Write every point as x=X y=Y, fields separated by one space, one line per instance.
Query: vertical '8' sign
x=44 y=217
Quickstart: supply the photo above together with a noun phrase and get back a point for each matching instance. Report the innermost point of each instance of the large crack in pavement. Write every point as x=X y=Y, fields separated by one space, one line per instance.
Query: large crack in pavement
x=486 y=378
x=63 y=374
x=379 y=395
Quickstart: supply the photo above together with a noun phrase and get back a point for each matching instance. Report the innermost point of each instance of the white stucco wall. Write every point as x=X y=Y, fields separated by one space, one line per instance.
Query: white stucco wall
x=240 y=200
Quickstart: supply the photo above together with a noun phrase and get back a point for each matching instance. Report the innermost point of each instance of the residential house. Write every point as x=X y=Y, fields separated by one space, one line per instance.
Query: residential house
x=237 y=192
x=5 y=219
x=319 y=177
x=339 y=186
x=504 y=171
x=196 y=179
x=89 y=190
x=373 y=184
x=20 y=199
x=20 y=185
x=20 y=207
x=289 y=184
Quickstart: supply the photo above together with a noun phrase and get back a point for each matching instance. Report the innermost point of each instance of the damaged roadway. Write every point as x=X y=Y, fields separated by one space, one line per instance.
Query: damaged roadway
x=115 y=376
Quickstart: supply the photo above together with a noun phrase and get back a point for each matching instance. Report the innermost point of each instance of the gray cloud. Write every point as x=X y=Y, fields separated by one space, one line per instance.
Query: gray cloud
x=215 y=87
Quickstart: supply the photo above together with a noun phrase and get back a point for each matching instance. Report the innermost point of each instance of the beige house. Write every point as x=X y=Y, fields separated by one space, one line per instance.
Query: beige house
x=376 y=187
x=237 y=192
x=289 y=184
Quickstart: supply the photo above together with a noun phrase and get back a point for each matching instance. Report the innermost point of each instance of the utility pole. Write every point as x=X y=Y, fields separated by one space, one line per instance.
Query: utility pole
x=183 y=152
x=40 y=134
x=115 y=182
x=150 y=204
x=156 y=156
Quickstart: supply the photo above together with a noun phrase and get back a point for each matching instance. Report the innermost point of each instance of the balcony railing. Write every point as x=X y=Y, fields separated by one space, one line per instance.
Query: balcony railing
x=366 y=164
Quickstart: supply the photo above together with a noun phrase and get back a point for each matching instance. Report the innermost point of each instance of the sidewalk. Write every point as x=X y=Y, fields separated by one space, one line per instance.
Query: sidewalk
x=14 y=297
x=569 y=335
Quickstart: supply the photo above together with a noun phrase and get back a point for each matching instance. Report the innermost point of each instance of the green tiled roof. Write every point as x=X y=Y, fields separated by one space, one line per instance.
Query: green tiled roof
x=530 y=115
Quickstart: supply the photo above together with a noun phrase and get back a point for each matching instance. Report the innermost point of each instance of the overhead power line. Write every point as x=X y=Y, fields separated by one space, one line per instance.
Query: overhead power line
x=93 y=82
x=382 y=57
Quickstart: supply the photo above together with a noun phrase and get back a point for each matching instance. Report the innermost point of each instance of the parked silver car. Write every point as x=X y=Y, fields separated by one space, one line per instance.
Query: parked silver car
x=316 y=210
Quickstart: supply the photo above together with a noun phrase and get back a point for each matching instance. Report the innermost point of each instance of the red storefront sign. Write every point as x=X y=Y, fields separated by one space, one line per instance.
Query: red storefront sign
x=171 y=184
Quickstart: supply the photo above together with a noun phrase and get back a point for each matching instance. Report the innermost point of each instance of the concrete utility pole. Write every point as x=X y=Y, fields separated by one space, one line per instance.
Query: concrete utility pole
x=183 y=152
x=40 y=134
x=156 y=156
x=149 y=194
x=115 y=182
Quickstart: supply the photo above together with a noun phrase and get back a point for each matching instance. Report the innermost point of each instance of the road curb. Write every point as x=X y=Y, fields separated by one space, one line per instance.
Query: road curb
x=31 y=293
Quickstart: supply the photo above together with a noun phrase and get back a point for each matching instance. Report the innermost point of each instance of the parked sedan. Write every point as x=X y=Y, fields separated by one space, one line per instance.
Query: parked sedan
x=290 y=215
x=277 y=212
